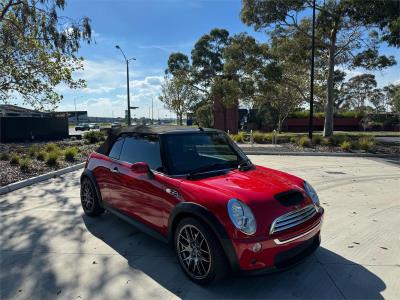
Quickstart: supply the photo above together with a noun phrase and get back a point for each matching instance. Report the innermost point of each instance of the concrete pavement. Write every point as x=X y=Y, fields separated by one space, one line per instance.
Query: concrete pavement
x=49 y=249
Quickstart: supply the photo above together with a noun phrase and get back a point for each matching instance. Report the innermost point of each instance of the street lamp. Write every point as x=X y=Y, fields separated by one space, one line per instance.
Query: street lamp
x=127 y=82
x=310 y=121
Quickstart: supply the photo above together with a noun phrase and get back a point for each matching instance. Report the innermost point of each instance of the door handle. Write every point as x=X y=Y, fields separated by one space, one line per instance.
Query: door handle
x=115 y=170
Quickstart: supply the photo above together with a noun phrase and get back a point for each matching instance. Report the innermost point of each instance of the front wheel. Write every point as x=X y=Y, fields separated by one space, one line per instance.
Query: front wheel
x=199 y=252
x=89 y=199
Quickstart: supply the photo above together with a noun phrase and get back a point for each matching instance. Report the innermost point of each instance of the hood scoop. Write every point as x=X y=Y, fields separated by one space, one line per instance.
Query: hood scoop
x=289 y=198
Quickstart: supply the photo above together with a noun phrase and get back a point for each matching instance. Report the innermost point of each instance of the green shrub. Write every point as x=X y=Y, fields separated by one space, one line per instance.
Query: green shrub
x=366 y=143
x=70 y=153
x=4 y=156
x=33 y=150
x=25 y=165
x=346 y=145
x=336 y=140
x=52 y=158
x=94 y=136
x=294 y=140
x=316 y=139
x=41 y=155
x=51 y=147
x=14 y=160
x=304 y=142
x=238 y=138
x=262 y=137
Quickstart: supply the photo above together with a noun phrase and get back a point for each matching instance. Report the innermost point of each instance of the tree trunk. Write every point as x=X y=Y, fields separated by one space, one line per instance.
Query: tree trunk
x=329 y=108
x=279 y=124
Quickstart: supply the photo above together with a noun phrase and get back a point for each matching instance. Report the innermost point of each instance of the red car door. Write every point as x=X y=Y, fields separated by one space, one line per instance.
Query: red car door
x=139 y=195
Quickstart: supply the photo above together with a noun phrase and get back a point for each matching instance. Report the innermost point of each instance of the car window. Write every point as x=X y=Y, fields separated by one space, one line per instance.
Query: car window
x=142 y=148
x=116 y=148
x=187 y=152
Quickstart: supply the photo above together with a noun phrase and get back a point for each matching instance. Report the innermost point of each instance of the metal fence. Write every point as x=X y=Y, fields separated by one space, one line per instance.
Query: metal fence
x=24 y=129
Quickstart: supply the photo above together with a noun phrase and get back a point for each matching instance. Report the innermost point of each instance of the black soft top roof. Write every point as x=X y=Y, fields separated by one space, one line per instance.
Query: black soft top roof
x=113 y=134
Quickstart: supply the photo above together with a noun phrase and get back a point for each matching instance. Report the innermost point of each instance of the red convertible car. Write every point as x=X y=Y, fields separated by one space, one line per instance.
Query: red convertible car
x=194 y=188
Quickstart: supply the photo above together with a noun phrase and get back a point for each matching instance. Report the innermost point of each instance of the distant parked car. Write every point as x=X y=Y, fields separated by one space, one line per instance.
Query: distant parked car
x=94 y=126
x=116 y=125
x=82 y=126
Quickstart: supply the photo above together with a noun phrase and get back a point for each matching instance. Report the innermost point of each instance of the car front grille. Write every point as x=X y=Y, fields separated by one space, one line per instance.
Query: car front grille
x=293 y=219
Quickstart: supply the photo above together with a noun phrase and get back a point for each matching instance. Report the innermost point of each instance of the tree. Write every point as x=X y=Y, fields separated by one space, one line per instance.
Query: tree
x=178 y=94
x=393 y=95
x=340 y=36
x=38 y=51
x=359 y=90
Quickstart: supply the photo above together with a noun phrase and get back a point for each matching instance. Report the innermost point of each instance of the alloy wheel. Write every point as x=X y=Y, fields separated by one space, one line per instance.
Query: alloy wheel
x=87 y=196
x=194 y=252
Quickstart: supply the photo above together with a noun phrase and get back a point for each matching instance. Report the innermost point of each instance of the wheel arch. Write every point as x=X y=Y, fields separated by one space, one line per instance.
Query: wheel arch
x=189 y=209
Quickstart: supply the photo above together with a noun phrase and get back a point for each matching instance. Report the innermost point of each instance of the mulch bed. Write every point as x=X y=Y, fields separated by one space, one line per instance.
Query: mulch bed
x=10 y=173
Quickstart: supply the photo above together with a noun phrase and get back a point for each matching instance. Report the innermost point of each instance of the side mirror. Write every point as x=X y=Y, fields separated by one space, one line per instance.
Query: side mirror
x=142 y=168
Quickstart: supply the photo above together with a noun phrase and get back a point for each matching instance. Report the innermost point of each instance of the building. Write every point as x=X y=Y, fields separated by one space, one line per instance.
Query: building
x=19 y=124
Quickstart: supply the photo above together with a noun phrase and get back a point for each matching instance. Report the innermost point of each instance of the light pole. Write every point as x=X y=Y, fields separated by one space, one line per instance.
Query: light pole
x=127 y=82
x=310 y=121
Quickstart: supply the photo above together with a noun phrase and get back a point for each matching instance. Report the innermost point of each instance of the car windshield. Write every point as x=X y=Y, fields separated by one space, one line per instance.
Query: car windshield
x=188 y=153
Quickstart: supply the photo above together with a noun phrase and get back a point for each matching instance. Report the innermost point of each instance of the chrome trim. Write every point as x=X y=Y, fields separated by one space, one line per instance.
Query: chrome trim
x=279 y=242
x=293 y=218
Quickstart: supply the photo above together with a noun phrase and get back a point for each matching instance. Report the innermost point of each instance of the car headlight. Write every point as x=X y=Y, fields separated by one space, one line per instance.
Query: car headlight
x=241 y=216
x=311 y=193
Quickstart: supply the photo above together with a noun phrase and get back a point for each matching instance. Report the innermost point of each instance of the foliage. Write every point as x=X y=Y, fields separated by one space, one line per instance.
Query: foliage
x=25 y=165
x=70 y=153
x=238 y=138
x=204 y=115
x=316 y=139
x=94 y=136
x=15 y=159
x=367 y=143
x=341 y=37
x=33 y=150
x=38 y=51
x=178 y=94
x=346 y=145
x=393 y=95
x=52 y=158
x=41 y=155
x=4 y=156
x=305 y=142
x=51 y=147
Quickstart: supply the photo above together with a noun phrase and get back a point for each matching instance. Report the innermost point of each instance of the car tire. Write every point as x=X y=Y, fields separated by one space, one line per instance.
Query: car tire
x=89 y=199
x=192 y=240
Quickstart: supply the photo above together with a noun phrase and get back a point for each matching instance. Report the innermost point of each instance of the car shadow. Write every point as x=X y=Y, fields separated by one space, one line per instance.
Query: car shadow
x=325 y=274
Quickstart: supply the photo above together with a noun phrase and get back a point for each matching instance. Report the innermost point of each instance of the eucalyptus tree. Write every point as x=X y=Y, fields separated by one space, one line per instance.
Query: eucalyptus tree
x=343 y=36
x=38 y=51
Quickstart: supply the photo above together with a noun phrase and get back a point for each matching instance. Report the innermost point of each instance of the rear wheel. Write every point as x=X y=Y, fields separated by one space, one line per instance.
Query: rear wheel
x=199 y=252
x=89 y=200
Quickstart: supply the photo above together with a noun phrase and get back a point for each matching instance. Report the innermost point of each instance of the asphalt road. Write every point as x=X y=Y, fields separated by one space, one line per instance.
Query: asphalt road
x=49 y=249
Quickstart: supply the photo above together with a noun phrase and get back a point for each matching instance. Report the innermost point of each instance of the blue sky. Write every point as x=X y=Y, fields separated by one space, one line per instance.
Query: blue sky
x=149 y=30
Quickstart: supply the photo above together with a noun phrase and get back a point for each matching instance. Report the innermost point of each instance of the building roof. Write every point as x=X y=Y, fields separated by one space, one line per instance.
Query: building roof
x=17 y=109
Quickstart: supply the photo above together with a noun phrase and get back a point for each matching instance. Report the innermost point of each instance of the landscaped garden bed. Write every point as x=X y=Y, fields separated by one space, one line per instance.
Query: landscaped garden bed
x=340 y=142
x=19 y=161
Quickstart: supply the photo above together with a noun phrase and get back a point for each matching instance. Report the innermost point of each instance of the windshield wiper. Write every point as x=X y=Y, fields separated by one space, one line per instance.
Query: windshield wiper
x=206 y=168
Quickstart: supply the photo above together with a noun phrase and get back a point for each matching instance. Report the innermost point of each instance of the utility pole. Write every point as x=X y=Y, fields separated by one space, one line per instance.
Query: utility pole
x=127 y=83
x=152 y=110
x=76 y=115
x=310 y=123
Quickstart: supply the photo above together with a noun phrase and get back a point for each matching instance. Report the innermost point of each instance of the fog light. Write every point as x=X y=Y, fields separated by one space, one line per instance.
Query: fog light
x=256 y=247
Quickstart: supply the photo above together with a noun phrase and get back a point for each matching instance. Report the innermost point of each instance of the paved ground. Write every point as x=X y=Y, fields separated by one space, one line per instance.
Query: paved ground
x=50 y=250
x=388 y=139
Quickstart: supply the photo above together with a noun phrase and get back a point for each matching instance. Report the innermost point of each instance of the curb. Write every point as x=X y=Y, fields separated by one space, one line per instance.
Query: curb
x=23 y=183
x=333 y=154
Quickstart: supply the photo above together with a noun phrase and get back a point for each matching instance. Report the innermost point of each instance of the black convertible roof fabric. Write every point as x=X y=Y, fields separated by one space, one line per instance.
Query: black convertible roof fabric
x=113 y=134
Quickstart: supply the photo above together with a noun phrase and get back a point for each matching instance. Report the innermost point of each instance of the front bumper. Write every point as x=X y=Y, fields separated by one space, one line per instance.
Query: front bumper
x=281 y=251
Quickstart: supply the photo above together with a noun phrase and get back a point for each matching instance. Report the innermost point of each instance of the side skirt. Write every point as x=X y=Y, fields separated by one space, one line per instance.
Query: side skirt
x=139 y=225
